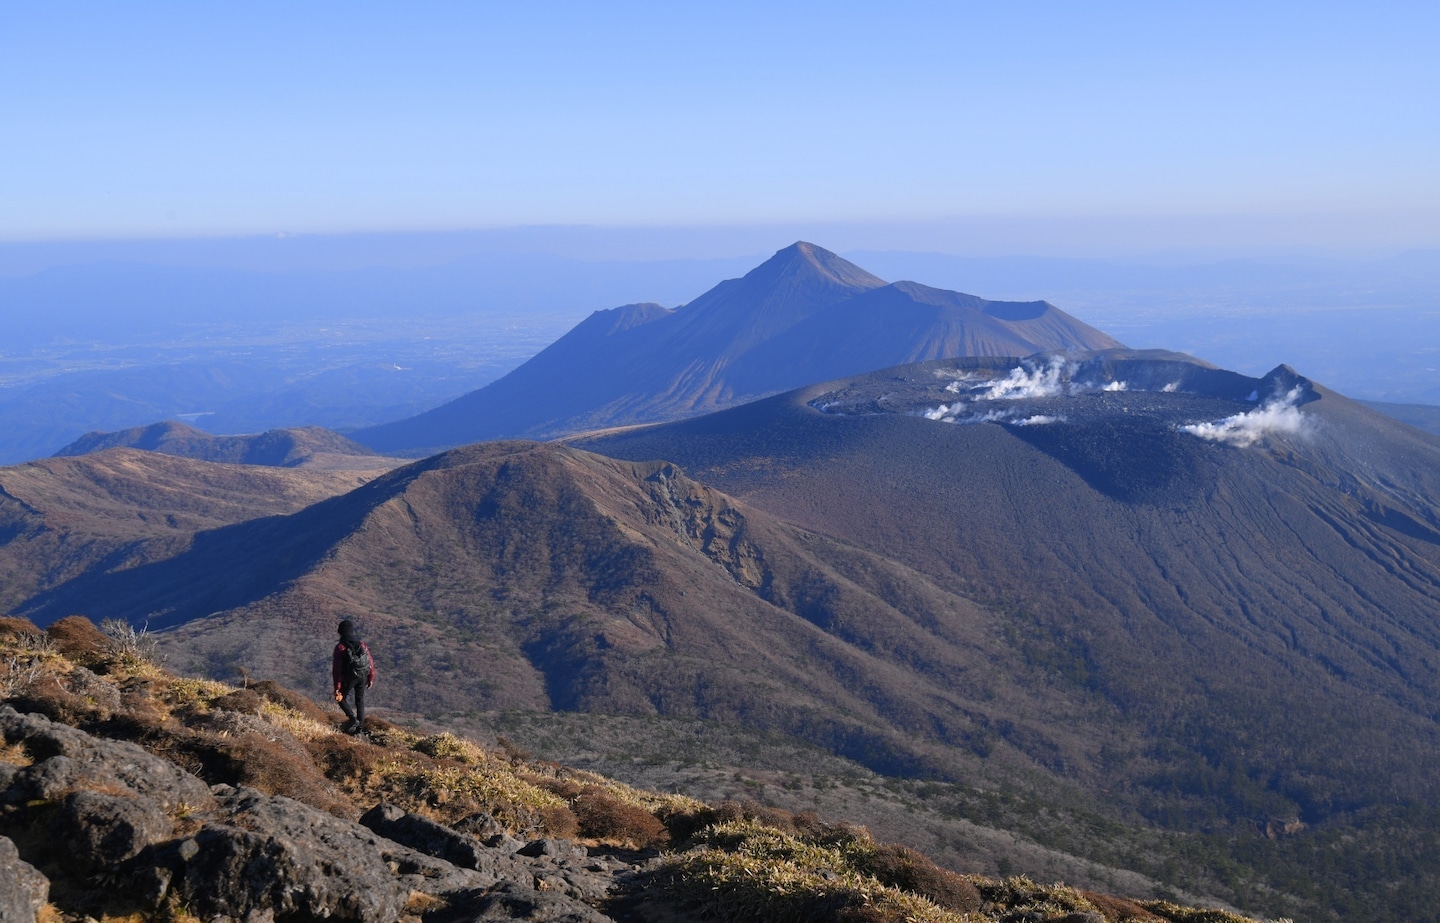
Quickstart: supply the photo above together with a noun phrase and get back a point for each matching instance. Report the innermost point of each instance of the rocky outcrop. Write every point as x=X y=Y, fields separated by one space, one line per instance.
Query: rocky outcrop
x=67 y=759
x=427 y=836
x=235 y=853
x=264 y=856
x=512 y=901
x=706 y=520
x=23 y=890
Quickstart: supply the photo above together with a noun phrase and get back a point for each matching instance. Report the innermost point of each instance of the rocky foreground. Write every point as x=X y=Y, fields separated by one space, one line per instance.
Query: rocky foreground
x=127 y=793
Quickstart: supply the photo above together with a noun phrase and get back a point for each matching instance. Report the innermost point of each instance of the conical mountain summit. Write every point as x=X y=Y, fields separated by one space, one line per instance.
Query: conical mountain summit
x=805 y=315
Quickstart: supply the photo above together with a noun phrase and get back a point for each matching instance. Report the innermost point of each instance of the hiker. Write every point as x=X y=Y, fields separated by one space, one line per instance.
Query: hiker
x=352 y=668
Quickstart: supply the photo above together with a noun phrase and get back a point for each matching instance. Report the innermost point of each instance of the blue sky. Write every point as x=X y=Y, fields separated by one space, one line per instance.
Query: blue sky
x=1271 y=123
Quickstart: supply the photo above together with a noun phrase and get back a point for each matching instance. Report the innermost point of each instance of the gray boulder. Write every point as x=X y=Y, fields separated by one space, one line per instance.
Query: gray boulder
x=268 y=856
x=553 y=849
x=258 y=857
x=513 y=901
x=427 y=836
x=485 y=828
x=95 y=763
x=23 y=889
x=101 y=830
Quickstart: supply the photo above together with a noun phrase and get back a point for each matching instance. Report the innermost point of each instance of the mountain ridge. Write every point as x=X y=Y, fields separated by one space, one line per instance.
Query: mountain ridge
x=799 y=317
x=306 y=446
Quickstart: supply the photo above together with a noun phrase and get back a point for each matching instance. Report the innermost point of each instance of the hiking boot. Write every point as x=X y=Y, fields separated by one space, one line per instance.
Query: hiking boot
x=350 y=727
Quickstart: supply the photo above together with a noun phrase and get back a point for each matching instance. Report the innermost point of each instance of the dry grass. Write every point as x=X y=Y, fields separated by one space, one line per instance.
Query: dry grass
x=1178 y=914
x=604 y=817
x=576 y=781
x=187 y=694
x=742 y=870
x=733 y=861
x=454 y=789
x=15 y=755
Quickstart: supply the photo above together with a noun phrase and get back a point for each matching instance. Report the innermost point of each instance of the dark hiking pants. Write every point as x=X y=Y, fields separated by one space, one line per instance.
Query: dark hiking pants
x=357 y=713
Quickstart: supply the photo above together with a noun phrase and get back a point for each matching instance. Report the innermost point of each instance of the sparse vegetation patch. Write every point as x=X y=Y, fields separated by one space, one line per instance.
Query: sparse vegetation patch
x=723 y=862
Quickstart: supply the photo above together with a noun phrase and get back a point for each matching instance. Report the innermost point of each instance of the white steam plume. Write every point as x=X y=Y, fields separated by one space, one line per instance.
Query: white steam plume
x=1025 y=382
x=1246 y=429
x=954 y=413
x=943 y=411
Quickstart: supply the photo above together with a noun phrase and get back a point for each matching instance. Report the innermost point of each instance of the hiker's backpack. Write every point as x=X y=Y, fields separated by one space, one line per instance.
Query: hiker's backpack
x=357 y=661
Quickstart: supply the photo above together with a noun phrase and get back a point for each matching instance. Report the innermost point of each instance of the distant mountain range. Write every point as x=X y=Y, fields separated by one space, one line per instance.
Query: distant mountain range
x=307 y=446
x=804 y=315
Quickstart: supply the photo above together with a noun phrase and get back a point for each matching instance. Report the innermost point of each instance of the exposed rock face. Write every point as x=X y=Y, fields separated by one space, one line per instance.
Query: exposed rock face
x=427 y=836
x=234 y=853
x=512 y=901
x=102 y=829
x=23 y=890
x=267 y=856
x=707 y=520
x=68 y=759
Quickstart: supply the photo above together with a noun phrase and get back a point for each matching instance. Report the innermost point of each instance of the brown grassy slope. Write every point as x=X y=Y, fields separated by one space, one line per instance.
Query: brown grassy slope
x=726 y=862
x=532 y=576
x=123 y=507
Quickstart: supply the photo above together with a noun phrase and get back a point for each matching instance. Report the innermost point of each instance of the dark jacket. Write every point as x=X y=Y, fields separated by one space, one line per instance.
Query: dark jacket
x=339 y=658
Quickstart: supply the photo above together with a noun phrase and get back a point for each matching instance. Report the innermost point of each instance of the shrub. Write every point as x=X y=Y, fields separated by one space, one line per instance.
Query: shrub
x=130 y=648
x=45 y=694
x=569 y=789
x=559 y=821
x=602 y=816
x=267 y=765
x=682 y=825
x=346 y=760
x=241 y=700
x=1119 y=910
x=910 y=870
x=385 y=734
x=18 y=673
x=12 y=628
x=77 y=638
